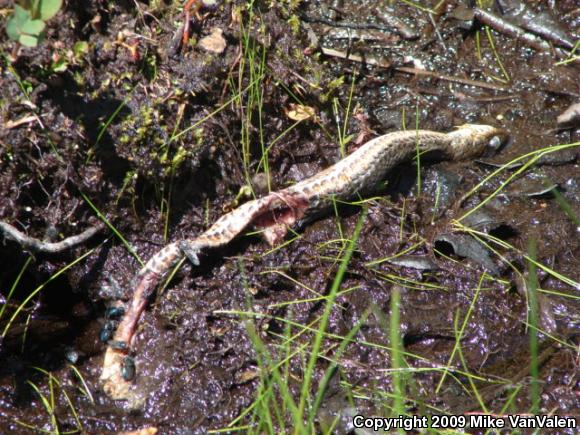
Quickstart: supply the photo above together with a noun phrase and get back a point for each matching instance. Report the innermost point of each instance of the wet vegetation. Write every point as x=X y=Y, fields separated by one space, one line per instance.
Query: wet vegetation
x=452 y=290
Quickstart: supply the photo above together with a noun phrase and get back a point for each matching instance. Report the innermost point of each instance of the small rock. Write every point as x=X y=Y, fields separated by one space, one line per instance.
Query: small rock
x=214 y=42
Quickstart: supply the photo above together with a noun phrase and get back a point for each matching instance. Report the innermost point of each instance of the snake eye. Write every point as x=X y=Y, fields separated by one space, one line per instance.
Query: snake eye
x=495 y=142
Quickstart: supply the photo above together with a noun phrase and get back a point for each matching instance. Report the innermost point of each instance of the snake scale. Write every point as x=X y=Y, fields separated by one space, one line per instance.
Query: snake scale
x=274 y=213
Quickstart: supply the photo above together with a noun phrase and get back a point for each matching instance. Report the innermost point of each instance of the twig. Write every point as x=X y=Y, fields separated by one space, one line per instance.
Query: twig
x=187 y=19
x=349 y=25
x=509 y=29
x=36 y=245
x=410 y=70
x=24 y=120
x=461 y=80
x=437 y=32
x=355 y=57
x=399 y=26
x=539 y=23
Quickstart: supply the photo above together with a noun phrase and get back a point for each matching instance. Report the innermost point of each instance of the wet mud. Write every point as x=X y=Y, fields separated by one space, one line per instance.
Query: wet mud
x=161 y=139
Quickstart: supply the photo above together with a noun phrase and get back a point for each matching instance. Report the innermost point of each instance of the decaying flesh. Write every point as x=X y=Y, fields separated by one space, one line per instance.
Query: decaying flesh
x=356 y=174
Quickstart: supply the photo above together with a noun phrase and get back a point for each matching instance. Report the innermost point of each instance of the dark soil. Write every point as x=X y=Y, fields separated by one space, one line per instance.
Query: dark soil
x=132 y=125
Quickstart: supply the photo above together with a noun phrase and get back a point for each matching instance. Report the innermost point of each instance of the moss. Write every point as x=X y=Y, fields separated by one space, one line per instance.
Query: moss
x=146 y=142
x=79 y=79
x=332 y=86
x=294 y=23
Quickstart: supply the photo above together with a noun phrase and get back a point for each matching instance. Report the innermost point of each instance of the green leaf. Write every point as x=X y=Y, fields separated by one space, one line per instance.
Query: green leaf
x=20 y=14
x=16 y=22
x=13 y=29
x=48 y=9
x=60 y=65
x=33 y=27
x=29 y=40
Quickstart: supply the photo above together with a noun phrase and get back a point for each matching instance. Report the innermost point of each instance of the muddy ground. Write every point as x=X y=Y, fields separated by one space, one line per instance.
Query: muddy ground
x=152 y=134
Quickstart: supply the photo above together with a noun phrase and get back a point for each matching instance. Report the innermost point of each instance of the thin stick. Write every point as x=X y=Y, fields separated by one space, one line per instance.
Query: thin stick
x=410 y=70
x=509 y=29
x=396 y=23
x=355 y=57
x=37 y=245
x=350 y=25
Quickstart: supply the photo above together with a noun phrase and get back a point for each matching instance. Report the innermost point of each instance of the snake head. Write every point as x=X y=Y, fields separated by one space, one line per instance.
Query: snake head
x=191 y=251
x=474 y=140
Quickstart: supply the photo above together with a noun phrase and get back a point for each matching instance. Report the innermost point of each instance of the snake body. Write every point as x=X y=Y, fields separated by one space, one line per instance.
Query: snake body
x=358 y=173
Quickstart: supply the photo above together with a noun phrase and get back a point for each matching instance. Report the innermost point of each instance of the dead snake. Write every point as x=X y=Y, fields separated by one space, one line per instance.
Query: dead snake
x=273 y=214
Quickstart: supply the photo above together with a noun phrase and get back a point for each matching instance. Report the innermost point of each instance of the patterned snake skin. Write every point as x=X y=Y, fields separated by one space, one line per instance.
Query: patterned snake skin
x=273 y=214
